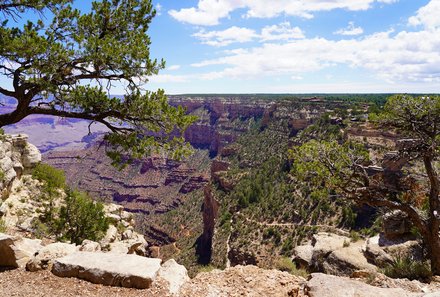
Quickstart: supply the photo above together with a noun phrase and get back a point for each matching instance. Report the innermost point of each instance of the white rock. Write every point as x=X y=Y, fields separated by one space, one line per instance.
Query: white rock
x=119 y=248
x=31 y=156
x=109 y=269
x=16 y=251
x=46 y=255
x=323 y=285
x=111 y=235
x=127 y=234
x=175 y=274
x=90 y=246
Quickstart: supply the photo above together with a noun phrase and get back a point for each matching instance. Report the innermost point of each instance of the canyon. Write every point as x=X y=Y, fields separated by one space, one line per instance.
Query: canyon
x=156 y=188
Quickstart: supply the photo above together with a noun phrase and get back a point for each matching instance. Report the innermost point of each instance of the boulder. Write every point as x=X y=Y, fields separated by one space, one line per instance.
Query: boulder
x=346 y=260
x=323 y=285
x=303 y=255
x=175 y=274
x=375 y=254
x=110 y=236
x=16 y=251
x=396 y=225
x=327 y=242
x=411 y=249
x=46 y=255
x=31 y=156
x=90 y=246
x=123 y=270
x=323 y=244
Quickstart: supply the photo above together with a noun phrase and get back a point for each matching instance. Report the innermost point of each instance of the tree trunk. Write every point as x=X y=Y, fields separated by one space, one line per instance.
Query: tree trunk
x=432 y=237
x=433 y=242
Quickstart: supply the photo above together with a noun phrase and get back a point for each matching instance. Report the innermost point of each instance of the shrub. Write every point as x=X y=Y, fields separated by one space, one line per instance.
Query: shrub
x=406 y=267
x=51 y=177
x=286 y=264
x=3 y=227
x=354 y=236
x=287 y=247
x=81 y=218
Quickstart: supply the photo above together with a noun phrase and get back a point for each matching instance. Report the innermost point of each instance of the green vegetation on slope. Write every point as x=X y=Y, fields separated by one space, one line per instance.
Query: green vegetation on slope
x=67 y=214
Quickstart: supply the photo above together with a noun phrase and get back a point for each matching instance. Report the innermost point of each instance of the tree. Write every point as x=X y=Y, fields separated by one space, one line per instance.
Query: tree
x=64 y=62
x=346 y=168
x=81 y=218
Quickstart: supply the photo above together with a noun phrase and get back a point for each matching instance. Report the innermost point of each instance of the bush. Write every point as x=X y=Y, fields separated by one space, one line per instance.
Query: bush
x=51 y=177
x=3 y=228
x=354 y=236
x=406 y=267
x=285 y=264
x=81 y=218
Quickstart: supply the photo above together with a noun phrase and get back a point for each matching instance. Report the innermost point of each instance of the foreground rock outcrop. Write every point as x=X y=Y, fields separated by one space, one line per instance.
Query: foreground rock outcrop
x=17 y=156
x=128 y=271
x=16 y=251
x=323 y=285
x=244 y=281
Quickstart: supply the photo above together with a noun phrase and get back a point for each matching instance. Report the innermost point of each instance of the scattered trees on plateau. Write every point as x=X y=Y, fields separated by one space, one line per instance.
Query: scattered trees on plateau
x=346 y=168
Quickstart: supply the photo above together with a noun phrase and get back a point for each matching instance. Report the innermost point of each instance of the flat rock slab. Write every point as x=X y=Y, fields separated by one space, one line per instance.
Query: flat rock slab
x=323 y=285
x=130 y=271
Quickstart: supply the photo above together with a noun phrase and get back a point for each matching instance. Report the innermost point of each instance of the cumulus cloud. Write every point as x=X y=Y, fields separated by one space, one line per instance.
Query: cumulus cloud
x=405 y=56
x=427 y=16
x=173 y=67
x=210 y=12
x=222 y=38
x=350 y=30
x=282 y=31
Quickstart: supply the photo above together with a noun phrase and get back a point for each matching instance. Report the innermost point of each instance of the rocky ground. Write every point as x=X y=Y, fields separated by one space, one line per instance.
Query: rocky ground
x=20 y=283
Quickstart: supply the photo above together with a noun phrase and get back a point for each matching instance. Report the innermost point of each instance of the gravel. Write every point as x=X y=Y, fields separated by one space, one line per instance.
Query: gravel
x=21 y=283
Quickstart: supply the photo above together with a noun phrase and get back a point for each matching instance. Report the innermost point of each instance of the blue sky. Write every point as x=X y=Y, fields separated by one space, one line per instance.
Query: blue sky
x=297 y=46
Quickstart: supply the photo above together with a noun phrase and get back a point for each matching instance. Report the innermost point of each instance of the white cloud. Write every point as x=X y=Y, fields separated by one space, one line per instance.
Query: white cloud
x=350 y=30
x=428 y=16
x=226 y=37
x=169 y=78
x=173 y=67
x=158 y=9
x=282 y=31
x=209 y=12
x=404 y=57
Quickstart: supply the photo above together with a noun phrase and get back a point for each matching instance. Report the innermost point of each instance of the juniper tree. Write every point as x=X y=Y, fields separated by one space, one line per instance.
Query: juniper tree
x=61 y=61
x=344 y=168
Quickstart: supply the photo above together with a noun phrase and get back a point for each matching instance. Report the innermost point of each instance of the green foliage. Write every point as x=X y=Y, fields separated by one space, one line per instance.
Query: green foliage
x=327 y=164
x=323 y=129
x=406 y=267
x=287 y=247
x=286 y=264
x=348 y=216
x=3 y=228
x=273 y=234
x=81 y=218
x=354 y=236
x=69 y=59
x=52 y=178
x=206 y=268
